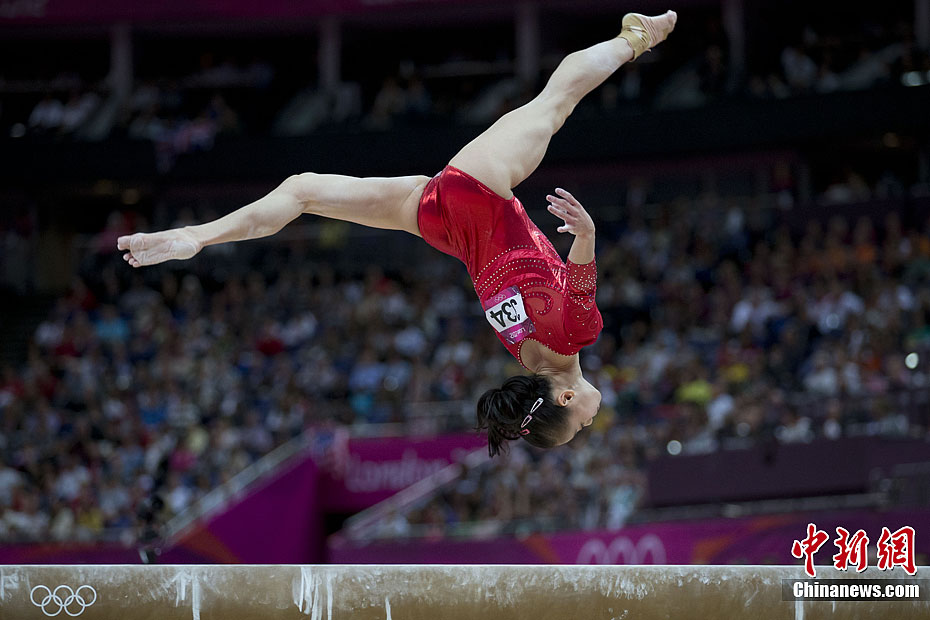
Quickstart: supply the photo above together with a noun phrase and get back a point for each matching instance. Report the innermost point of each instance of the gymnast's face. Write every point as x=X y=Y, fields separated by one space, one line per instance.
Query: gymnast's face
x=582 y=404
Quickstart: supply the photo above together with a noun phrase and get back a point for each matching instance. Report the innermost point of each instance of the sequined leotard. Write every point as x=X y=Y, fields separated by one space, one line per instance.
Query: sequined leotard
x=502 y=248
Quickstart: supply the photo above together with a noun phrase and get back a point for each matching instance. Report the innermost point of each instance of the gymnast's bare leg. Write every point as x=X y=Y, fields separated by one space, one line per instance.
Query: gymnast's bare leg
x=389 y=203
x=511 y=149
x=501 y=157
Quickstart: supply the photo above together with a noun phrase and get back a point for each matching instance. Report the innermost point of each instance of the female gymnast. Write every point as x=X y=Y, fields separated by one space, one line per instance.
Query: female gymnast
x=542 y=309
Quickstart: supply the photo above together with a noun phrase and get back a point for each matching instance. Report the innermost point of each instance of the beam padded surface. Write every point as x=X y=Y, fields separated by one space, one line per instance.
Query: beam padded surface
x=427 y=593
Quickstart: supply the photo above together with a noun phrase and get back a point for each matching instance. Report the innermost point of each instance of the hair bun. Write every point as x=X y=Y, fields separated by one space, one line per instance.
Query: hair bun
x=503 y=410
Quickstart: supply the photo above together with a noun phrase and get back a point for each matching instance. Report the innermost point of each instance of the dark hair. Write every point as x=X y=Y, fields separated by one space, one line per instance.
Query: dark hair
x=502 y=411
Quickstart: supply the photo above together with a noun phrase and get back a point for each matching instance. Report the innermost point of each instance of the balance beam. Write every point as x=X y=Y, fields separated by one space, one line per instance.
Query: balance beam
x=427 y=593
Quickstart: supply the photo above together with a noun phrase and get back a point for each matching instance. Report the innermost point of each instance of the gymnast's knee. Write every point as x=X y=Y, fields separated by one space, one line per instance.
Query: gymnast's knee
x=303 y=187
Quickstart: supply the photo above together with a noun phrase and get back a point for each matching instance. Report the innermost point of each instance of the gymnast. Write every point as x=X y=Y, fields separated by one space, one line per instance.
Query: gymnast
x=542 y=309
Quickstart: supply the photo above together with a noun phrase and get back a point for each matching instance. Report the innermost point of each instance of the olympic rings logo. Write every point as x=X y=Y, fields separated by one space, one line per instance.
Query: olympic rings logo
x=63 y=599
x=622 y=550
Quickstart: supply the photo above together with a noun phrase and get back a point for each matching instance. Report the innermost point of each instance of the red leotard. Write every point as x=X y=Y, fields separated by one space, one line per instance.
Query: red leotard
x=501 y=247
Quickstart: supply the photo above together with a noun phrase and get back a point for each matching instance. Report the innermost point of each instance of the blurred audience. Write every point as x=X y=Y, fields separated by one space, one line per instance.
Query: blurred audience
x=220 y=94
x=145 y=389
x=819 y=337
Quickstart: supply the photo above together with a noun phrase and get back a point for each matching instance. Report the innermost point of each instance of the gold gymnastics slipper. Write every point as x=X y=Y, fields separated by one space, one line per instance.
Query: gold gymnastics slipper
x=643 y=32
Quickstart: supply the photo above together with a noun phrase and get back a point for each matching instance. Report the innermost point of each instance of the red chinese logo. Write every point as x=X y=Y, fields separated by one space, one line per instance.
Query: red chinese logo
x=894 y=549
x=852 y=550
x=808 y=547
x=897 y=549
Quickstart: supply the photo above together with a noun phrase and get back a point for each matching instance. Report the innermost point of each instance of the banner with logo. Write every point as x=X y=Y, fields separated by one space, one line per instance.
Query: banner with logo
x=750 y=540
x=359 y=473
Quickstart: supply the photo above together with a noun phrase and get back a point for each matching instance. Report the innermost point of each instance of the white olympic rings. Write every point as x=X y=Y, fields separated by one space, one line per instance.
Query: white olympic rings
x=72 y=599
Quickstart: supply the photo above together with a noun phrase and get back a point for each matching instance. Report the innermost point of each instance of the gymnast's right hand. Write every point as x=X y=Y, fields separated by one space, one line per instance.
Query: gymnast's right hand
x=144 y=249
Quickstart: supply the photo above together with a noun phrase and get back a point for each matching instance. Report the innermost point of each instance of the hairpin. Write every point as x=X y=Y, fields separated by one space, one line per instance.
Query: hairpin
x=529 y=418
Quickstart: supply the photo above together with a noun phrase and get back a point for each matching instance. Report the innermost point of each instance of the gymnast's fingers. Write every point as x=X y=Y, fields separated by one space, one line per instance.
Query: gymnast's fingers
x=567 y=196
x=564 y=215
x=561 y=207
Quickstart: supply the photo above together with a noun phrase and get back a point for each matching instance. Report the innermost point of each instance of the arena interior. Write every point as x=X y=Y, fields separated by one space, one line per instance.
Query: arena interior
x=760 y=184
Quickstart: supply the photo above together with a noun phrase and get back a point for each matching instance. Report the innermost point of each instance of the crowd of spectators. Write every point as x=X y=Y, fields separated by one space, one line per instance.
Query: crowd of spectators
x=176 y=116
x=177 y=113
x=821 y=60
x=155 y=115
x=720 y=342
x=141 y=392
x=144 y=389
x=53 y=116
x=824 y=62
x=594 y=482
x=185 y=112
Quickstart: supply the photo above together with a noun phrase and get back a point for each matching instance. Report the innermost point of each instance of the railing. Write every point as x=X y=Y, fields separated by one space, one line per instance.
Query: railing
x=857 y=501
x=543 y=524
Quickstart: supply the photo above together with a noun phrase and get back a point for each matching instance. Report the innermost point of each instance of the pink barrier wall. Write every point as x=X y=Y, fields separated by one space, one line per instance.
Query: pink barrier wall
x=76 y=553
x=752 y=540
x=279 y=524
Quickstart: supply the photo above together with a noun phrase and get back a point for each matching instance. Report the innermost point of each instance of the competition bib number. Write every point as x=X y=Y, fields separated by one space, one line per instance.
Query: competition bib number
x=507 y=315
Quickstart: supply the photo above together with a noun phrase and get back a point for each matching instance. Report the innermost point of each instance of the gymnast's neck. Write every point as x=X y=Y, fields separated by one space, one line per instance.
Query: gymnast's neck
x=548 y=363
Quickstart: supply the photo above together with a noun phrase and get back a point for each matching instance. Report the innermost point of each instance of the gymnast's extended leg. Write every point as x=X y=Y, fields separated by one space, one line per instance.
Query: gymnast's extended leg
x=501 y=158
x=508 y=152
x=377 y=202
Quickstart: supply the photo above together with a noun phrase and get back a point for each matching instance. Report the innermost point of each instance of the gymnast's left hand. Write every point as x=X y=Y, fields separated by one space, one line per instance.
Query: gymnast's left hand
x=569 y=210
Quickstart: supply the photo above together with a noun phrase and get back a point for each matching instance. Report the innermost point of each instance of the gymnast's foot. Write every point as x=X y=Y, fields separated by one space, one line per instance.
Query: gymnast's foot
x=643 y=33
x=152 y=248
